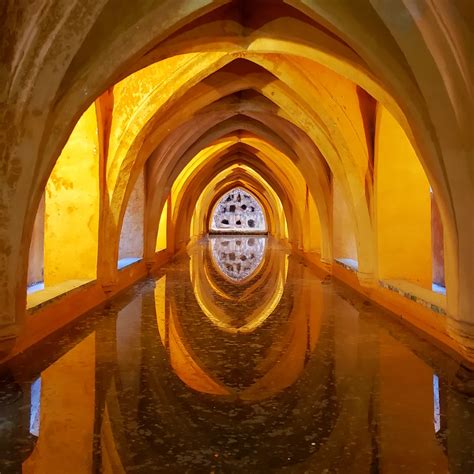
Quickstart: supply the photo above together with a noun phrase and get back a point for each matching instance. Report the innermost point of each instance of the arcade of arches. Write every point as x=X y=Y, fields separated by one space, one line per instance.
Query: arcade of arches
x=126 y=124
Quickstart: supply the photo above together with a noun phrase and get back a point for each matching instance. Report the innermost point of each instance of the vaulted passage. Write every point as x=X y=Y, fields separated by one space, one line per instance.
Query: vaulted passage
x=270 y=167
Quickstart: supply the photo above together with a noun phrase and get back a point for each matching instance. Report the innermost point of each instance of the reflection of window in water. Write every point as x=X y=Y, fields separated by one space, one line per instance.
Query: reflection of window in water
x=238 y=257
x=439 y=411
x=436 y=404
x=35 y=407
x=238 y=211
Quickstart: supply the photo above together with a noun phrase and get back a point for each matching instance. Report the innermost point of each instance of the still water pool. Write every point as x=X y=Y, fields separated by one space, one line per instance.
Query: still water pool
x=236 y=357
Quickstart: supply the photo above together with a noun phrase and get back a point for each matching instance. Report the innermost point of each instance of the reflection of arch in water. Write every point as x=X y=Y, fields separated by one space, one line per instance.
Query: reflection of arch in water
x=181 y=402
x=253 y=302
x=285 y=357
x=237 y=258
x=238 y=211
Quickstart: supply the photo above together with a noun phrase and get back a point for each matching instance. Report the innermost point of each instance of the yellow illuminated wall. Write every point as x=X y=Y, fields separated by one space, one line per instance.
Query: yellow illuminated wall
x=162 y=241
x=312 y=237
x=402 y=206
x=72 y=207
x=343 y=226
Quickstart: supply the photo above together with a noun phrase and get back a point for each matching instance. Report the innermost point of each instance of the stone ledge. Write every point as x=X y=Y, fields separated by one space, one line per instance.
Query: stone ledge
x=37 y=299
x=348 y=264
x=432 y=300
x=421 y=317
x=126 y=262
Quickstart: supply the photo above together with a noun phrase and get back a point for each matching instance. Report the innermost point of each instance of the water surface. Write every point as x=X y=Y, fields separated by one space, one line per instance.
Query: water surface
x=237 y=357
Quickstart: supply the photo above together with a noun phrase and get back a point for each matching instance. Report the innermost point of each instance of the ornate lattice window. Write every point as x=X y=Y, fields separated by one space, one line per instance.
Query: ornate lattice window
x=238 y=211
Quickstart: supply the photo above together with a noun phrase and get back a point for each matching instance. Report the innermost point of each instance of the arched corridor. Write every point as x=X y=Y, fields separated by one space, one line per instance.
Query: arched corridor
x=260 y=174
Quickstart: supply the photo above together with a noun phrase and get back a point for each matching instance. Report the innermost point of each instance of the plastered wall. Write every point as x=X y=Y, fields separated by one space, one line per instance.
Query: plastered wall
x=131 y=236
x=402 y=206
x=72 y=207
x=36 y=257
x=344 y=243
x=161 y=240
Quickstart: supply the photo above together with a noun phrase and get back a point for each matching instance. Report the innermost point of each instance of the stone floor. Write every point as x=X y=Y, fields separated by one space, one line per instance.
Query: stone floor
x=228 y=361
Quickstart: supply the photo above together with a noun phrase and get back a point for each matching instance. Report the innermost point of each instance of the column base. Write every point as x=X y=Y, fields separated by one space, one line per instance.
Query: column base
x=8 y=335
x=464 y=380
x=463 y=333
x=326 y=264
x=367 y=280
x=109 y=287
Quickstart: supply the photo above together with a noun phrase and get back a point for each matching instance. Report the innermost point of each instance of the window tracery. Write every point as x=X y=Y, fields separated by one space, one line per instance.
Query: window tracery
x=238 y=212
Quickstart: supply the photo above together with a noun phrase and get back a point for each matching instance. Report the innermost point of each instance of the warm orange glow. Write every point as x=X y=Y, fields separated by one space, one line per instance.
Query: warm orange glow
x=214 y=214
x=336 y=135
x=162 y=239
x=403 y=206
x=72 y=207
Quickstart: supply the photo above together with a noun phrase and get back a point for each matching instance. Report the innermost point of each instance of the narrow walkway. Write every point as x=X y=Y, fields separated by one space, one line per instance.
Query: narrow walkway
x=236 y=358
